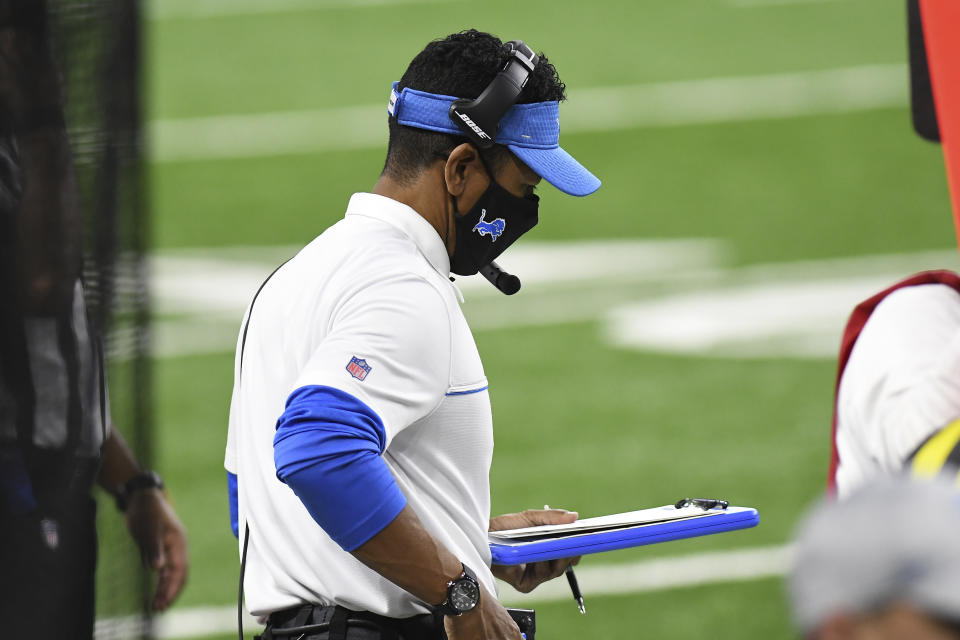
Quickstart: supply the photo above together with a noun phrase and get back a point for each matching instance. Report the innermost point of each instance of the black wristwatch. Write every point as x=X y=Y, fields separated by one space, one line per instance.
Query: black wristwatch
x=139 y=482
x=463 y=594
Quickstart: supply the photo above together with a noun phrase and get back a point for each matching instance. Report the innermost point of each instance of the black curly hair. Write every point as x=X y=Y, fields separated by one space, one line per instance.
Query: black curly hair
x=460 y=65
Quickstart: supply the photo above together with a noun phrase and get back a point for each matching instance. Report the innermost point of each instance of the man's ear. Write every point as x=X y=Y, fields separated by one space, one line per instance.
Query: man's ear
x=463 y=170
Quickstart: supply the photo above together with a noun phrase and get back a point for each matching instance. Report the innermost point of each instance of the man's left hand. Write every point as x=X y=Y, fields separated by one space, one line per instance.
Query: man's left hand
x=162 y=541
x=526 y=577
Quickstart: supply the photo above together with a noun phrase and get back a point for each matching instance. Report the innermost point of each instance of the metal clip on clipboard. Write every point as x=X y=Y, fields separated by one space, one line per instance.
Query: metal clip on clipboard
x=704 y=503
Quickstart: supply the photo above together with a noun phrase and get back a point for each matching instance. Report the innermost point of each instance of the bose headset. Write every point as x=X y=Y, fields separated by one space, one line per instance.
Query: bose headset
x=479 y=119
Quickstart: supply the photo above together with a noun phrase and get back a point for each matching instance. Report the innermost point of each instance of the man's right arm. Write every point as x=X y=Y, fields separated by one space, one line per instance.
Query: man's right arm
x=327 y=449
x=405 y=553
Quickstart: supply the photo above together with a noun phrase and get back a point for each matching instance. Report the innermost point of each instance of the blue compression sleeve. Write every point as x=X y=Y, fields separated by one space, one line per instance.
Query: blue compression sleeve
x=232 y=493
x=328 y=449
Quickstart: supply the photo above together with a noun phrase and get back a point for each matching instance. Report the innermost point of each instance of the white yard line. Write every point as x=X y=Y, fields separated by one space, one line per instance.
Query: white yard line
x=671 y=296
x=206 y=291
x=660 y=574
x=714 y=567
x=194 y=9
x=221 y=280
x=774 y=310
x=737 y=98
x=800 y=319
x=266 y=134
x=666 y=104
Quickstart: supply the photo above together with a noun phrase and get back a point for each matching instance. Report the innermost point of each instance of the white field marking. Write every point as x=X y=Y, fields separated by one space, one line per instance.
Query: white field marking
x=665 y=104
x=192 y=9
x=701 y=311
x=204 y=621
x=798 y=319
x=714 y=567
x=660 y=574
x=788 y=310
x=268 y=134
x=731 y=99
x=212 y=287
x=121 y=628
x=223 y=280
x=544 y=264
x=675 y=296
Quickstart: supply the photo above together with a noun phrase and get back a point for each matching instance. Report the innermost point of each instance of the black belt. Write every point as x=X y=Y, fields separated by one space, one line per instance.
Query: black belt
x=308 y=620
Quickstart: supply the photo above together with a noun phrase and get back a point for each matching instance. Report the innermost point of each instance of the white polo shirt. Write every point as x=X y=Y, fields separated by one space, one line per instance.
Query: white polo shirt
x=901 y=383
x=373 y=288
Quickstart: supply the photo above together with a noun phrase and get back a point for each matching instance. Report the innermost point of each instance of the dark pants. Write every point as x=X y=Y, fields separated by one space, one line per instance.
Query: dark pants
x=336 y=623
x=47 y=562
x=48 y=547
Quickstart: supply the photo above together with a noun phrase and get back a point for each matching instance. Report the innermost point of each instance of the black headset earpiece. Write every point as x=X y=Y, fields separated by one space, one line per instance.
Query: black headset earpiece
x=480 y=118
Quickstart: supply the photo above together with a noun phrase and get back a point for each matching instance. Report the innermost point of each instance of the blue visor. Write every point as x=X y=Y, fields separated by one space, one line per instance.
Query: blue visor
x=531 y=131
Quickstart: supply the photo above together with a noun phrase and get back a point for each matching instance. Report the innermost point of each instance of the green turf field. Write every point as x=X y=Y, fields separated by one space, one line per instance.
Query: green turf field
x=579 y=423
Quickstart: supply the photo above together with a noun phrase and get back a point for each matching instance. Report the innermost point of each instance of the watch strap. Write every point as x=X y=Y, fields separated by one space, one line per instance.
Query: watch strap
x=139 y=482
x=446 y=607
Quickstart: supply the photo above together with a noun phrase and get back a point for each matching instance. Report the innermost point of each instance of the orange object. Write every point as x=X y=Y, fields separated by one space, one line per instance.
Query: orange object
x=941 y=31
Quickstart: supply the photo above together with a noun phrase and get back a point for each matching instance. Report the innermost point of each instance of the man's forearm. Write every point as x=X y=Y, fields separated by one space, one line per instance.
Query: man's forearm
x=119 y=464
x=406 y=554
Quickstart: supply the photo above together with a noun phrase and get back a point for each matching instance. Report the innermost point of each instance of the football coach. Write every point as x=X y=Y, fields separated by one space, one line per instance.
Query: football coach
x=361 y=435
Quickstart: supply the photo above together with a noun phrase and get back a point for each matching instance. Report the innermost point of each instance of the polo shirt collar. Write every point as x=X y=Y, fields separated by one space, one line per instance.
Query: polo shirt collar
x=407 y=220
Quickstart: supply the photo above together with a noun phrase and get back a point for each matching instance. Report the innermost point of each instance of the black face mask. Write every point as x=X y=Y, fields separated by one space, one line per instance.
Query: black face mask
x=493 y=224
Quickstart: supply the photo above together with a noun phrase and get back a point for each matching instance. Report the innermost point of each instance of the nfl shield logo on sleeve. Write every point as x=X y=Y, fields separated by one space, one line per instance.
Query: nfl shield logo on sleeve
x=358 y=368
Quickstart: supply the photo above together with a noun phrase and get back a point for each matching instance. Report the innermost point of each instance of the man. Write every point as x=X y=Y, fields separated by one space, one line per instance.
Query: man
x=360 y=424
x=883 y=564
x=56 y=436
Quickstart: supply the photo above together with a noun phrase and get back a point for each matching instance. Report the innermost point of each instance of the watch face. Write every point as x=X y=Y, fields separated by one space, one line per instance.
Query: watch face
x=464 y=595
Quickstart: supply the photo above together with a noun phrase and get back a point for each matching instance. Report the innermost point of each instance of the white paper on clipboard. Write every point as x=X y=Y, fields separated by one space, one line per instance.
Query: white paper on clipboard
x=601 y=523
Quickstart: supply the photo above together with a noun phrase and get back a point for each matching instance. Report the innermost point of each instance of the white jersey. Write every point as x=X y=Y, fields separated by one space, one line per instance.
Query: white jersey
x=367 y=308
x=901 y=383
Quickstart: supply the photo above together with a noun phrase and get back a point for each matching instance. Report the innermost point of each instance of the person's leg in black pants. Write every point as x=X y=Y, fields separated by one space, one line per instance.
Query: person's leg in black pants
x=47 y=564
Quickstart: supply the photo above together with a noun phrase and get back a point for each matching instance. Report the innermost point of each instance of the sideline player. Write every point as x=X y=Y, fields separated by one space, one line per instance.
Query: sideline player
x=360 y=425
x=898 y=389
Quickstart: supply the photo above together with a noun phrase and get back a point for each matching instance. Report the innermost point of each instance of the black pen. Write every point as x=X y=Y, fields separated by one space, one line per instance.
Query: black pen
x=572 y=581
x=575 y=588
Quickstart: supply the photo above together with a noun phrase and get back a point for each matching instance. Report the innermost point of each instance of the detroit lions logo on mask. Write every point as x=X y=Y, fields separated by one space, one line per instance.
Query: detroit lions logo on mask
x=494 y=228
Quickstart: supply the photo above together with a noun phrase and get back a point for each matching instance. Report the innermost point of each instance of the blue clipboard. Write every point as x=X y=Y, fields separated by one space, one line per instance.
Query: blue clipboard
x=566 y=546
